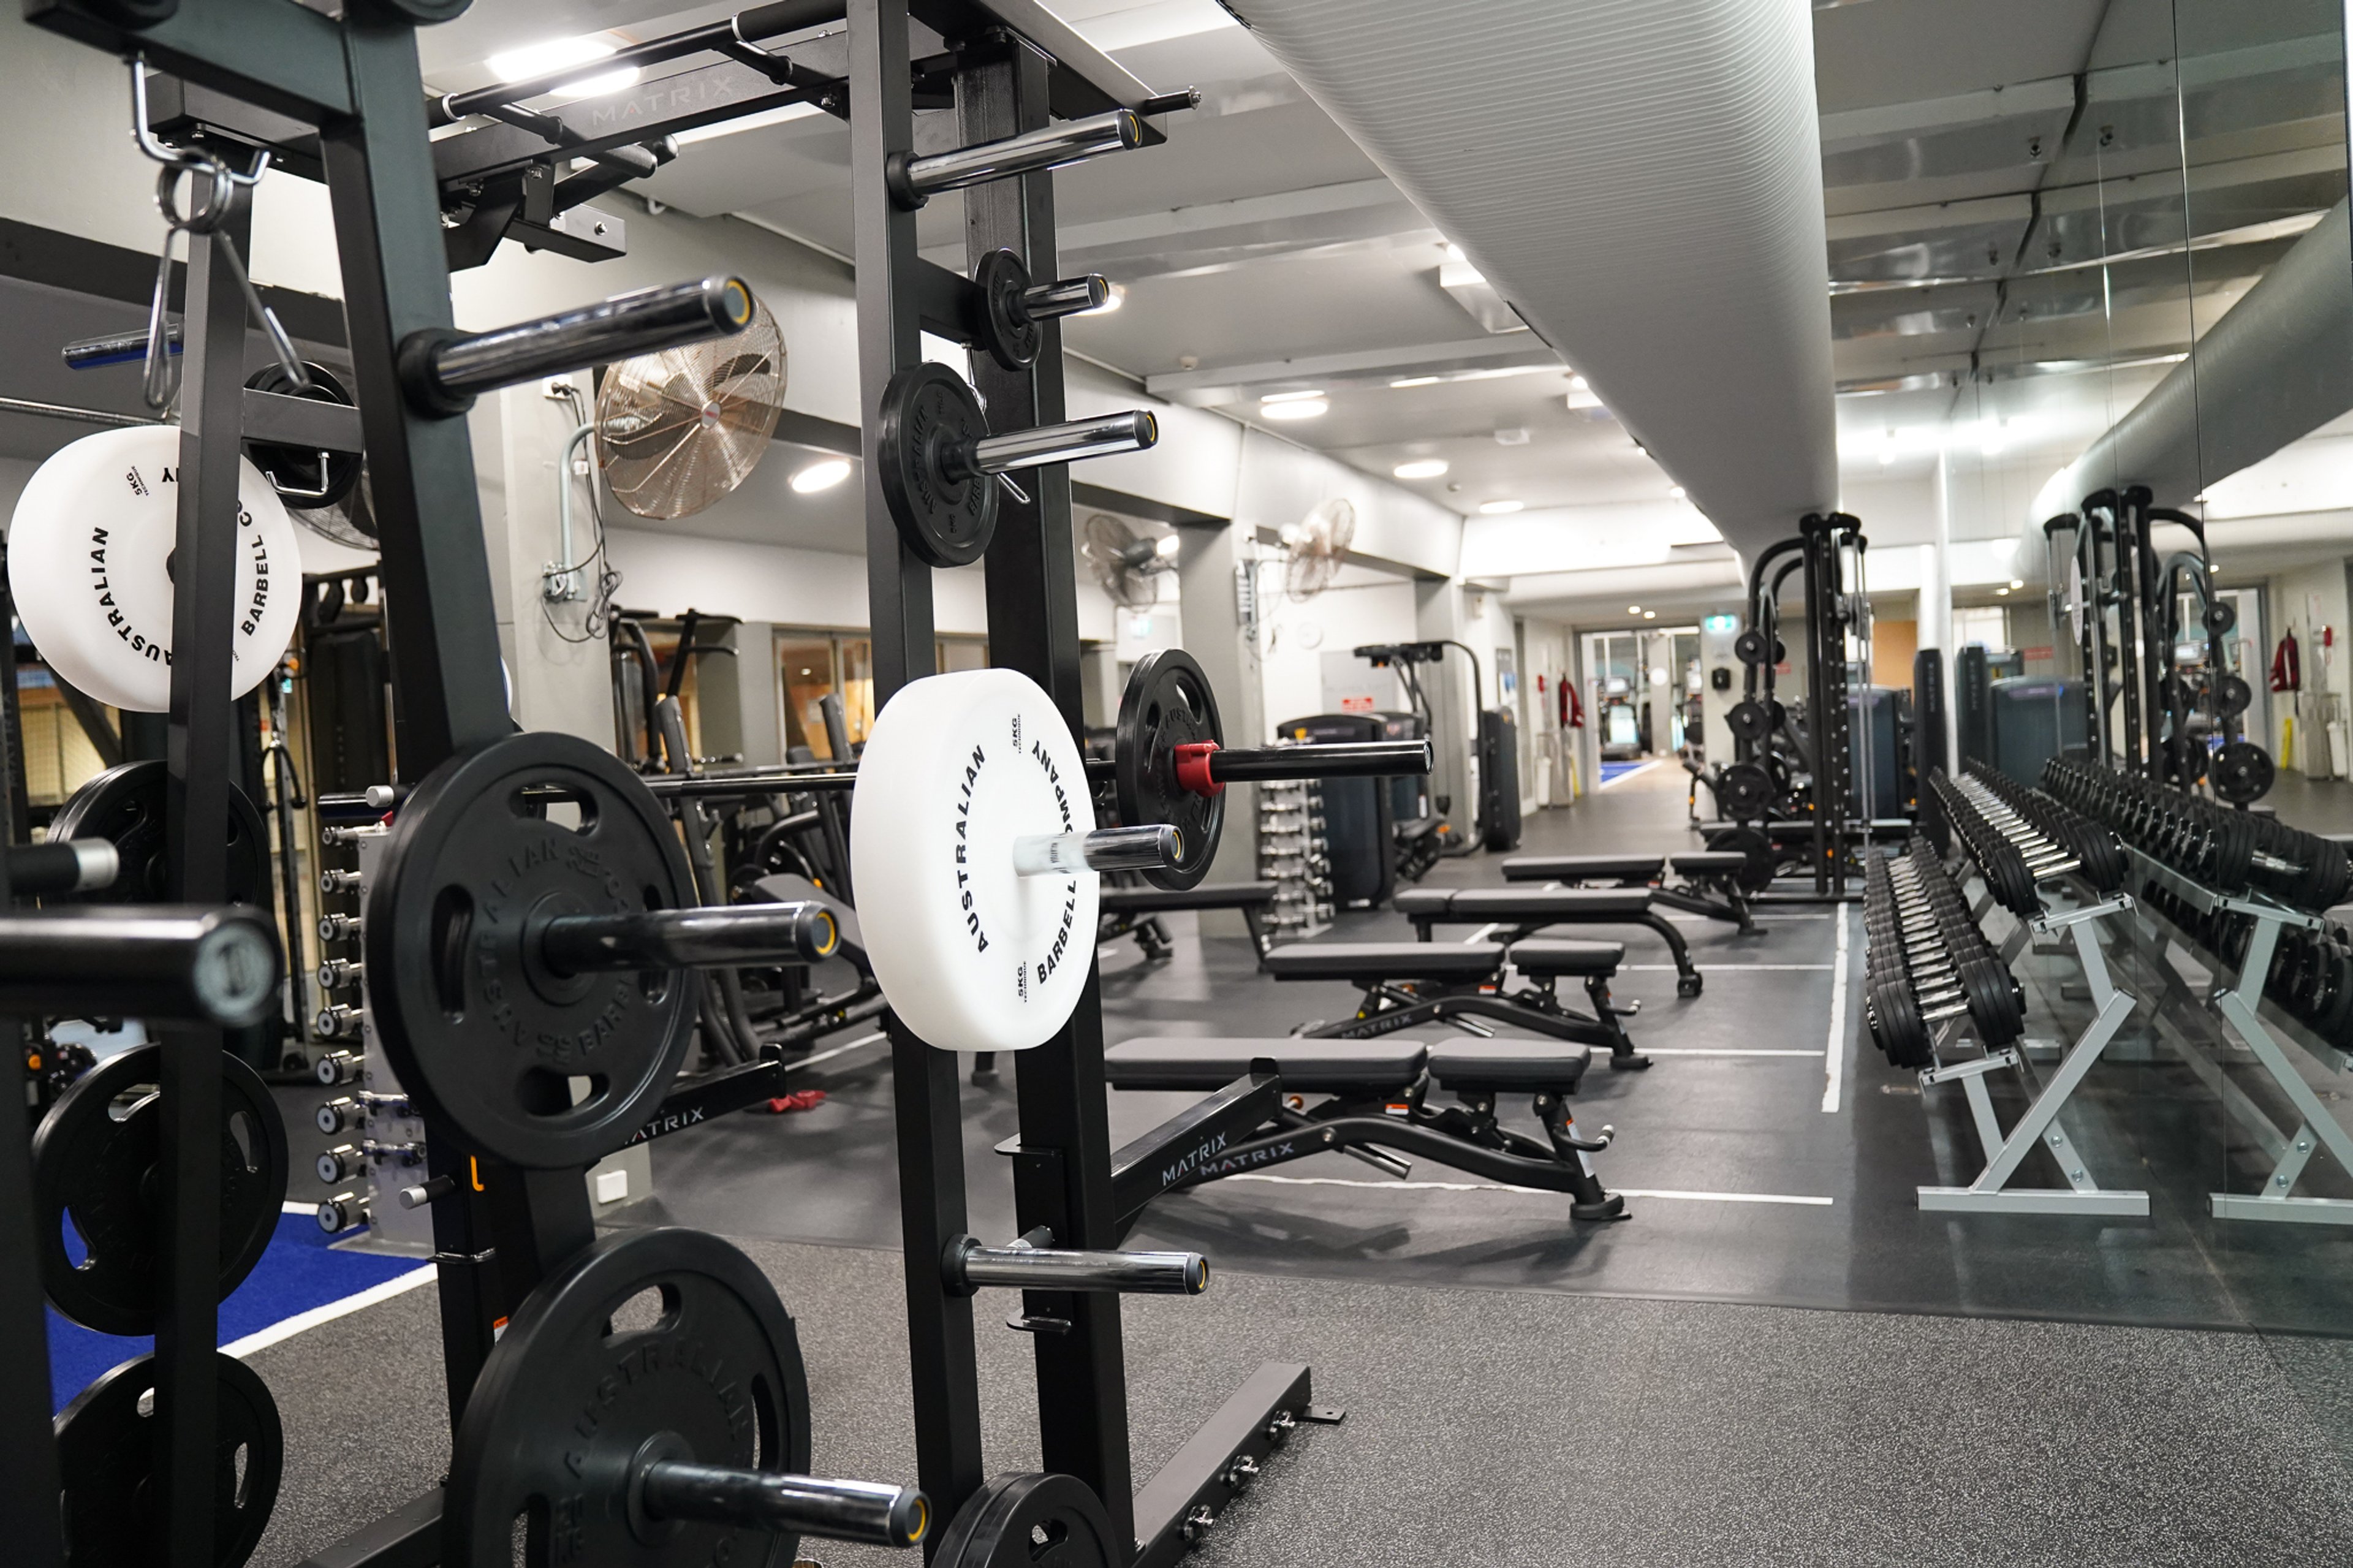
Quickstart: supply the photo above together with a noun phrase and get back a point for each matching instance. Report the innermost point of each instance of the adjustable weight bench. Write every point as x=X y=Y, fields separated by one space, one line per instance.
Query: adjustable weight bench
x=1711 y=879
x=1409 y=983
x=1377 y=1100
x=1135 y=911
x=1521 y=912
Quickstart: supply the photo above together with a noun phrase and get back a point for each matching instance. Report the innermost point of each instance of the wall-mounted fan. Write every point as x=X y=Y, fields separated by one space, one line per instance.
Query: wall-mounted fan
x=1126 y=563
x=1315 y=546
x=678 y=429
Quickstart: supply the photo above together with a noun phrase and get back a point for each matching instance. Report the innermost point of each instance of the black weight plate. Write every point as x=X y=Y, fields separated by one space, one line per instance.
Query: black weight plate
x=1168 y=704
x=304 y=477
x=2220 y=616
x=1749 y=721
x=1010 y=334
x=585 y=1376
x=1901 y=1033
x=927 y=412
x=1757 y=875
x=1748 y=647
x=106 y=1448
x=1992 y=1000
x=1031 y=1521
x=94 y=1163
x=474 y=1023
x=2232 y=695
x=2243 y=773
x=1745 y=792
x=125 y=805
x=2326 y=873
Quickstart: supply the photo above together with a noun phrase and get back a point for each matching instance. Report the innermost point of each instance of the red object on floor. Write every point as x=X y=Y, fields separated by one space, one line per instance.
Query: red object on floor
x=800 y=1099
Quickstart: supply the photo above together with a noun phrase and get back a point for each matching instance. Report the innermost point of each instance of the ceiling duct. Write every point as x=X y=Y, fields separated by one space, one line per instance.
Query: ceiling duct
x=1641 y=180
x=2278 y=365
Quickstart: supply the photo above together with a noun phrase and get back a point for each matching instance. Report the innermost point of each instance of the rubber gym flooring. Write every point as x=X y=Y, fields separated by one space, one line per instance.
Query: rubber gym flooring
x=1973 y=1389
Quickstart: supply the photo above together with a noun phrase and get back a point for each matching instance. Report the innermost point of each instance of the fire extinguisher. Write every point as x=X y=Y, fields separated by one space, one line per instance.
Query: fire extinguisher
x=1572 y=709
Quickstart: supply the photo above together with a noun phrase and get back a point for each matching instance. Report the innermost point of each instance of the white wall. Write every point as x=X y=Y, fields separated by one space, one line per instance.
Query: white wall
x=781 y=583
x=2305 y=601
x=1344 y=616
x=1579 y=537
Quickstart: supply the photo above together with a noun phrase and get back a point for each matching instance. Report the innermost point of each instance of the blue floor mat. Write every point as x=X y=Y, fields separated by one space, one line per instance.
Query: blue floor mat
x=1610 y=771
x=298 y=1272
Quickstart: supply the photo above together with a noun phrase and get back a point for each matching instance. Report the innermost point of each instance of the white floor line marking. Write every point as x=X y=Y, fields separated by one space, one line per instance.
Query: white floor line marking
x=1834 y=1053
x=1762 y=917
x=287 y=1328
x=1718 y=1051
x=1720 y=968
x=1629 y=772
x=1508 y=1187
x=828 y=1055
x=1482 y=933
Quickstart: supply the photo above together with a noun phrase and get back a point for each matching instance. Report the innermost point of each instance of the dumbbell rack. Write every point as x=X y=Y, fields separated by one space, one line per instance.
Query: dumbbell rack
x=1294 y=854
x=2239 y=1005
x=2006 y=1153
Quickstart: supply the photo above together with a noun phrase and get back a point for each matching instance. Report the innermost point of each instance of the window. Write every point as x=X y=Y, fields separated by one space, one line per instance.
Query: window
x=813 y=664
x=1988 y=627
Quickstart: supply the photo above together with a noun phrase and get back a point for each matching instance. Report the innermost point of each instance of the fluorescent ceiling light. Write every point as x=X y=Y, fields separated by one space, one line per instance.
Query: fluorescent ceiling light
x=766 y=117
x=1290 y=397
x=1421 y=468
x=1458 y=274
x=556 y=54
x=821 y=476
x=1581 y=398
x=1498 y=508
x=1304 y=408
x=1419 y=381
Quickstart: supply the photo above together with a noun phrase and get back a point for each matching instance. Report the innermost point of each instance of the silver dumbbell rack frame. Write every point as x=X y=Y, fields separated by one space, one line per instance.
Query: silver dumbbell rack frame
x=2040 y=1126
x=2238 y=1005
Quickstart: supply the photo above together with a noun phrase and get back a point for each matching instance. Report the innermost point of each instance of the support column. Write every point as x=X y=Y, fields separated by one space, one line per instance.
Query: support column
x=1453 y=703
x=1223 y=646
x=1935 y=612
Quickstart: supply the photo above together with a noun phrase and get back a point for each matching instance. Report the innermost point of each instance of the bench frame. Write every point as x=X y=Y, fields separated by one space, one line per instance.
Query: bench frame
x=1228 y=1134
x=1688 y=979
x=1405 y=1003
x=1716 y=895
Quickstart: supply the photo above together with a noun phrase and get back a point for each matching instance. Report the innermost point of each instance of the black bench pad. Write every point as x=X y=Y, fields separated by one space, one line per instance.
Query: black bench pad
x=1365 y=962
x=1311 y=1066
x=1545 y=958
x=1523 y=905
x=1207 y=896
x=1526 y=1067
x=1712 y=863
x=1578 y=867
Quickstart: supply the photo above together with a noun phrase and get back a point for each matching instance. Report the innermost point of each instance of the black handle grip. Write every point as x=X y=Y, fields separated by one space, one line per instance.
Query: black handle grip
x=1339 y=760
x=689 y=939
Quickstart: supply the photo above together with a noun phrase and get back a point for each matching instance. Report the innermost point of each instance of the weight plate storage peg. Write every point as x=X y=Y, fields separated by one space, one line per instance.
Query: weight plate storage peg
x=125 y=805
x=1031 y=1521
x=971 y=954
x=946 y=515
x=107 y=1446
x=90 y=559
x=1167 y=706
x=477 y=1021
x=654 y=1343
x=96 y=1162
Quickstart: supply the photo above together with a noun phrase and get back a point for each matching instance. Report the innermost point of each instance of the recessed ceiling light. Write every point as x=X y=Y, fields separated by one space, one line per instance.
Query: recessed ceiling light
x=1649 y=615
x=1578 y=383
x=1290 y=397
x=1633 y=609
x=1421 y=468
x=1498 y=508
x=1676 y=492
x=1417 y=381
x=1303 y=408
x=2018 y=581
x=821 y=476
x=2002 y=593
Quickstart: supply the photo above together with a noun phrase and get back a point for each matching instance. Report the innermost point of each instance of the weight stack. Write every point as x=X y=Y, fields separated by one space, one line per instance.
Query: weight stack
x=1293 y=853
